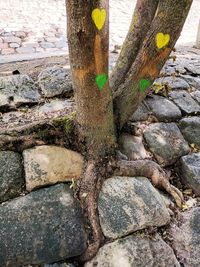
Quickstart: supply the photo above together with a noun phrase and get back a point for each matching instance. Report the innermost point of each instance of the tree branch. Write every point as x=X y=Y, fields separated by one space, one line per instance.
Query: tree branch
x=168 y=23
x=142 y=17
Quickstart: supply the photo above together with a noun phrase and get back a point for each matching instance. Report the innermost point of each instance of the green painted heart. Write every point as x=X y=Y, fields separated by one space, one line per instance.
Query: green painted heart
x=101 y=80
x=144 y=84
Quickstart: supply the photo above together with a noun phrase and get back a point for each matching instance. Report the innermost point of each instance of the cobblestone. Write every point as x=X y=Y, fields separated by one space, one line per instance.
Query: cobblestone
x=44 y=23
x=14 y=45
x=46 y=45
x=12 y=39
x=25 y=50
x=3 y=45
x=7 y=51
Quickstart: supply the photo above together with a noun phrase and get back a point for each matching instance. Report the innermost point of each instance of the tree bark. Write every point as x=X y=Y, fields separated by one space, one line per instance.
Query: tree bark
x=88 y=35
x=142 y=17
x=88 y=48
x=169 y=20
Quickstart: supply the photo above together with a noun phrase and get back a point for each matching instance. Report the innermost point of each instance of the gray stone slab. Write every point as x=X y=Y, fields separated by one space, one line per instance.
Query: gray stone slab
x=193 y=68
x=174 y=83
x=25 y=50
x=190 y=128
x=33 y=56
x=164 y=109
x=11 y=175
x=130 y=204
x=193 y=81
x=43 y=227
x=12 y=39
x=186 y=238
x=16 y=90
x=55 y=81
x=141 y=114
x=166 y=142
x=132 y=147
x=135 y=251
x=47 y=45
x=54 y=106
x=190 y=171
x=185 y=102
x=196 y=96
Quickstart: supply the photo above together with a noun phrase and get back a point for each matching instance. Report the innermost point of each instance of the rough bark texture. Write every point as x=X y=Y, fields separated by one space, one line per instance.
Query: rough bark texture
x=88 y=49
x=169 y=19
x=88 y=37
x=142 y=17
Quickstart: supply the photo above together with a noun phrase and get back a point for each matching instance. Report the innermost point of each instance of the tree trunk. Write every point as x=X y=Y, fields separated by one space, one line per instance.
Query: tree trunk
x=142 y=17
x=159 y=42
x=88 y=47
x=88 y=37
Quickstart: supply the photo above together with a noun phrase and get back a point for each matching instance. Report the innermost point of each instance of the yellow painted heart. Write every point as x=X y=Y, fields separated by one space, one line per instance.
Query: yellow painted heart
x=162 y=40
x=99 y=17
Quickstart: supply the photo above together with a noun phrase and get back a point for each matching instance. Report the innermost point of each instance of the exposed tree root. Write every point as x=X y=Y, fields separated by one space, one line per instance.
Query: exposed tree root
x=151 y=170
x=89 y=188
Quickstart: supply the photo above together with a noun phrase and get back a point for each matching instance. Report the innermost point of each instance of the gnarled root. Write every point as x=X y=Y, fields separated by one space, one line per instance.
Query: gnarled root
x=89 y=188
x=151 y=170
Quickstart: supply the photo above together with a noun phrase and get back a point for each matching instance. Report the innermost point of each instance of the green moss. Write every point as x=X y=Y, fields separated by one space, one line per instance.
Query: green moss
x=43 y=133
x=66 y=123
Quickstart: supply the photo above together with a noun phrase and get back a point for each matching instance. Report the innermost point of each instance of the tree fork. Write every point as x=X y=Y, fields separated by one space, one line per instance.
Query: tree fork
x=159 y=42
x=88 y=36
x=141 y=20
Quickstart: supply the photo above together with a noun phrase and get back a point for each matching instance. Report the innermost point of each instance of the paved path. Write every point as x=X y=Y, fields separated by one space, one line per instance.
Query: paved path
x=28 y=27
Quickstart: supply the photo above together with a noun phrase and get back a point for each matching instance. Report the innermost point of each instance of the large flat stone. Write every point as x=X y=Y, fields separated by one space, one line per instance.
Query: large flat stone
x=54 y=106
x=43 y=227
x=190 y=128
x=186 y=238
x=45 y=165
x=166 y=142
x=163 y=109
x=185 y=102
x=193 y=69
x=132 y=147
x=11 y=175
x=55 y=81
x=141 y=114
x=130 y=204
x=196 y=96
x=190 y=171
x=135 y=251
x=173 y=83
x=16 y=90
x=193 y=81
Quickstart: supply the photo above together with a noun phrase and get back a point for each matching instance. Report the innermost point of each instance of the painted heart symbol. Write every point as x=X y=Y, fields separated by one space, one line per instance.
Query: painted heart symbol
x=99 y=17
x=162 y=40
x=144 y=84
x=101 y=80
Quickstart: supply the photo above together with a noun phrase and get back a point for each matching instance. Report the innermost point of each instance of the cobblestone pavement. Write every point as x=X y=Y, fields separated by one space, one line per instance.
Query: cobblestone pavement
x=27 y=27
